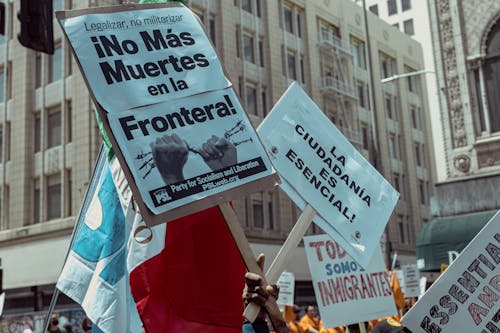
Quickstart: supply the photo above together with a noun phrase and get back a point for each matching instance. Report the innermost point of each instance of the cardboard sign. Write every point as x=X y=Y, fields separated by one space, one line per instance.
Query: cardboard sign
x=179 y=132
x=345 y=292
x=189 y=148
x=132 y=58
x=286 y=282
x=411 y=276
x=321 y=167
x=466 y=297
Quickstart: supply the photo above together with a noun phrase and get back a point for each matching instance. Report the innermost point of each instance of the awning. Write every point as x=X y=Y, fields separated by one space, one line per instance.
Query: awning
x=443 y=234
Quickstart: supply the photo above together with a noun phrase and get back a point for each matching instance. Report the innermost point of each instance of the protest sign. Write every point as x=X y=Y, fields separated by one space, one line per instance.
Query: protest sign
x=320 y=167
x=138 y=55
x=466 y=295
x=345 y=292
x=286 y=282
x=411 y=276
x=182 y=138
x=189 y=148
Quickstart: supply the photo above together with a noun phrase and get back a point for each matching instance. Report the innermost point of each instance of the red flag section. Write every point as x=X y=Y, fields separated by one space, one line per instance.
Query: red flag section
x=195 y=283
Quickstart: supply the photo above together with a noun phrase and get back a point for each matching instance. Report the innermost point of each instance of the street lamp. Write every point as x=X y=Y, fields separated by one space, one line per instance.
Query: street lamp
x=399 y=76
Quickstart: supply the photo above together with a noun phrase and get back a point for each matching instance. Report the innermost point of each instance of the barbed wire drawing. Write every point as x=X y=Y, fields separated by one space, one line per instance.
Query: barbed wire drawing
x=148 y=164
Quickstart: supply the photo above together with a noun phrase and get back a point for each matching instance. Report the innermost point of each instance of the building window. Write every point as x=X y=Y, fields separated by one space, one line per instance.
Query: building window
x=405 y=5
x=38 y=70
x=388 y=107
x=408 y=27
x=302 y=71
x=261 y=53
x=392 y=7
x=422 y=188
x=292 y=72
x=393 y=147
x=364 y=136
x=418 y=153
x=396 y=25
x=264 y=101
x=387 y=65
x=258 y=213
x=270 y=211
x=415 y=117
x=36 y=201
x=37 y=133
x=358 y=52
x=374 y=9
x=299 y=24
x=248 y=48
x=401 y=229
x=55 y=65
x=68 y=193
x=213 y=32
x=397 y=185
x=53 y=197
x=251 y=99
x=361 y=94
x=69 y=122
x=491 y=72
x=2 y=85
x=288 y=17
x=246 y=5
x=54 y=128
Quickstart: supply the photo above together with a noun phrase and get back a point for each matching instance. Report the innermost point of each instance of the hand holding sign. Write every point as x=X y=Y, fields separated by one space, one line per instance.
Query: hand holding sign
x=170 y=153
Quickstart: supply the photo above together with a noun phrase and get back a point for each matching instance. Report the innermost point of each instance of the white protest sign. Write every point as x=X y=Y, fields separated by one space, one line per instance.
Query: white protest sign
x=345 y=292
x=411 y=276
x=320 y=166
x=286 y=282
x=132 y=58
x=465 y=297
x=423 y=285
x=189 y=148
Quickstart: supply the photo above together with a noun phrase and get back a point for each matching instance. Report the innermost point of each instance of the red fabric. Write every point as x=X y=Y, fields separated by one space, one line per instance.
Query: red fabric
x=195 y=283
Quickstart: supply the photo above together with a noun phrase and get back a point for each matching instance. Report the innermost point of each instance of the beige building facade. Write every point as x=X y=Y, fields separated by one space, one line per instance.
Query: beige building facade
x=50 y=138
x=466 y=40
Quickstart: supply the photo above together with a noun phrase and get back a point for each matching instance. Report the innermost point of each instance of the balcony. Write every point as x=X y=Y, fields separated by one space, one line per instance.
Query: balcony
x=331 y=84
x=329 y=41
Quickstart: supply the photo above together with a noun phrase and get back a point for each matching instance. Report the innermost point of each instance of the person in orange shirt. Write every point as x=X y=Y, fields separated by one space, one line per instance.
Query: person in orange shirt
x=339 y=329
x=309 y=323
x=293 y=325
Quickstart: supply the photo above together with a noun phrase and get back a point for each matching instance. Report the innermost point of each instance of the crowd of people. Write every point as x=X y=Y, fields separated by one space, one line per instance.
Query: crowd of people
x=310 y=322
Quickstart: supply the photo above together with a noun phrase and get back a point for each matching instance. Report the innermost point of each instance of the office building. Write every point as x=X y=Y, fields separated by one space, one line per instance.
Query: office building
x=50 y=138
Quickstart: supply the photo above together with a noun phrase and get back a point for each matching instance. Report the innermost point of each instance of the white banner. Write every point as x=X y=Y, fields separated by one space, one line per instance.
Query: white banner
x=189 y=148
x=286 y=282
x=465 y=297
x=321 y=167
x=345 y=292
x=133 y=58
x=411 y=280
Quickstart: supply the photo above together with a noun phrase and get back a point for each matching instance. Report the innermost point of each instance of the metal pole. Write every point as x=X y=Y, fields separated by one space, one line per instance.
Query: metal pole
x=101 y=159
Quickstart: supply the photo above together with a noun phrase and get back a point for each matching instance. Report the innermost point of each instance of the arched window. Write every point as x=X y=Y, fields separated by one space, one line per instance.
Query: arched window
x=491 y=70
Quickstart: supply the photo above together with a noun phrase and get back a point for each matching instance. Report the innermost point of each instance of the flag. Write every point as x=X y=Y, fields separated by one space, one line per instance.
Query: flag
x=194 y=283
x=399 y=297
x=94 y=274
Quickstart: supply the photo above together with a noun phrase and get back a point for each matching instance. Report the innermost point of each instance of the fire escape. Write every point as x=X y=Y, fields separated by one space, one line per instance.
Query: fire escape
x=337 y=88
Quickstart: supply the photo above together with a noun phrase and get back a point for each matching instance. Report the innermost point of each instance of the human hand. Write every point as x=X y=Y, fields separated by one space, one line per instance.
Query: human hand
x=170 y=154
x=256 y=291
x=218 y=153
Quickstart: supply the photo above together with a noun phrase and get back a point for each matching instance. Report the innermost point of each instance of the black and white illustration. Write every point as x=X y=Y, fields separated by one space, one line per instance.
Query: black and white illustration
x=189 y=148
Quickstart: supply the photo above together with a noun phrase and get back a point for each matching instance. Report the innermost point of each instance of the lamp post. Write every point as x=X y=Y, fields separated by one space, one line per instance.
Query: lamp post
x=403 y=75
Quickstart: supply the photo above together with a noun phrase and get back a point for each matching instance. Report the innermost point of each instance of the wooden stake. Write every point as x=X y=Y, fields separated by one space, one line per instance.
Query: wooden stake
x=273 y=273
x=248 y=257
